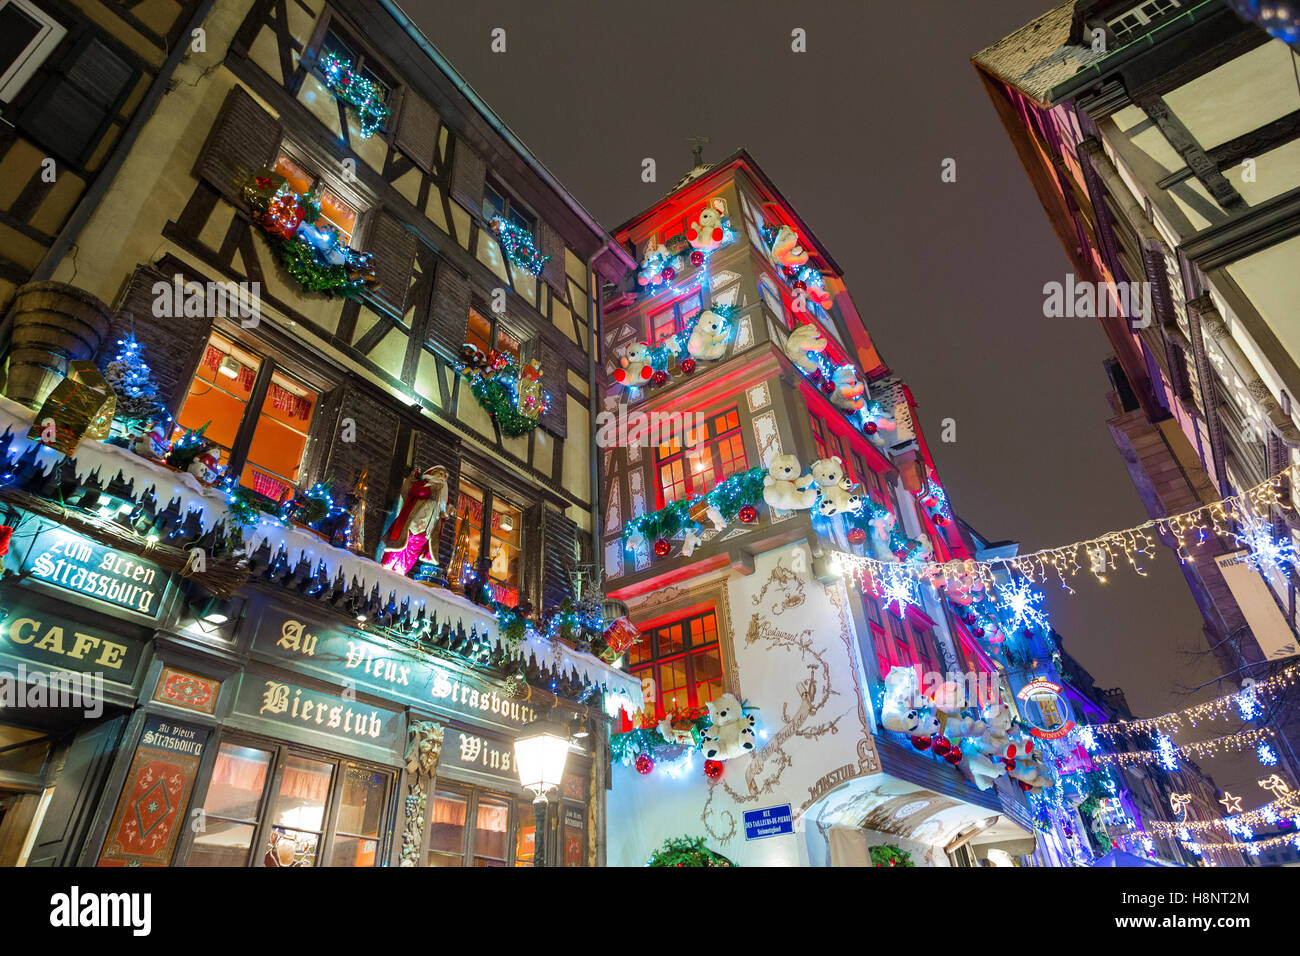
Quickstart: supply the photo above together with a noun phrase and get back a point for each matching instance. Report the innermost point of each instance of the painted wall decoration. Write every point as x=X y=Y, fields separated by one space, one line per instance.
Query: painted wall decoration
x=183 y=689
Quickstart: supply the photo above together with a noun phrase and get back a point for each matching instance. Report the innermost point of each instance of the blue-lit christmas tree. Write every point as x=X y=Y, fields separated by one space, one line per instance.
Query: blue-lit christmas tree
x=131 y=379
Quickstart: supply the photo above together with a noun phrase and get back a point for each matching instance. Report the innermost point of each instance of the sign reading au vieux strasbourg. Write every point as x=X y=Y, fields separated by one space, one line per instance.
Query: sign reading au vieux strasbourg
x=75 y=563
x=337 y=654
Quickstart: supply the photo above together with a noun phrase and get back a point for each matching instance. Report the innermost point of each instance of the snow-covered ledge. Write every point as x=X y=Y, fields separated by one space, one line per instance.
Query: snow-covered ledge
x=211 y=504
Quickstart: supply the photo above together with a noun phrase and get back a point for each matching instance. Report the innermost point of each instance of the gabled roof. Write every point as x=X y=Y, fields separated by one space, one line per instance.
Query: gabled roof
x=1042 y=54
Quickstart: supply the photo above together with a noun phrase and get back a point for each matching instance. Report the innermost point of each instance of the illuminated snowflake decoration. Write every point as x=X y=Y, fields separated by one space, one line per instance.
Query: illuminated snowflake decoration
x=895 y=585
x=1248 y=704
x=1270 y=815
x=1252 y=850
x=1184 y=833
x=1296 y=841
x=1234 y=826
x=1148 y=844
x=1247 y=833
x=1167 y=751
x=1022 y=604
x=1195 y=848
x=1087 y=738
x=1267 y=553
x=1267 y=755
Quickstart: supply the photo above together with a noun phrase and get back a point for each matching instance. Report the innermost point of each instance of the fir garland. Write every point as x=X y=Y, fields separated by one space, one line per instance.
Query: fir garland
x=519 y=246
x=363 y=95
x=730 y=495
x=497 y=390
x=686 y=851
x=890 y=855
x=305 y=265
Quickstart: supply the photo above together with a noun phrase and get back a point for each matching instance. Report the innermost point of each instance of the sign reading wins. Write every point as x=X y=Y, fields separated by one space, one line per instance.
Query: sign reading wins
x=75 y=563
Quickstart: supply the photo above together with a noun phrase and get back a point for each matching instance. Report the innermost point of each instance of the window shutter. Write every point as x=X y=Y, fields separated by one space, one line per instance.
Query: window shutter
x=172 y=345
x=393 y=246
x=559 y=555
x=552 y=245
x=374 y=448
x=417 y=131
x=83 y=92
x=449 y=317
x=467 y=175
x=555 y=382
x=440 y=448
x=243 y=139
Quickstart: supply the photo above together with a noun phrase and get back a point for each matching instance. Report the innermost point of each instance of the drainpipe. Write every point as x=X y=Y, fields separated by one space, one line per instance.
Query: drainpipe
x=593 y=405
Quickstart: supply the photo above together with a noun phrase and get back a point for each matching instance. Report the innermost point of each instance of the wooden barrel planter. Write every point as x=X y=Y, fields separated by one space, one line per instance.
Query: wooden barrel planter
x=54 y=323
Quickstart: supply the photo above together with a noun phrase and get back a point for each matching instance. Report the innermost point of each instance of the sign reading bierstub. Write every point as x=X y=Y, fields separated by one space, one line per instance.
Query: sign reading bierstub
x=75 y=563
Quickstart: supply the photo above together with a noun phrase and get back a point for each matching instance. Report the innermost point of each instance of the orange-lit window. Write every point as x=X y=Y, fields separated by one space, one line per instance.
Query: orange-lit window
x=486 y=335
x=684 y=660
x=707 y=458
x=675 y=317
x=334 y=212
x=219 y=399
x=469 y=533
x=505 y=536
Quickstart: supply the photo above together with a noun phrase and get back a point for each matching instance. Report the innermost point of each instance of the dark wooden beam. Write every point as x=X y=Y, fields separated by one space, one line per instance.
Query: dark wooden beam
x=1181 y=139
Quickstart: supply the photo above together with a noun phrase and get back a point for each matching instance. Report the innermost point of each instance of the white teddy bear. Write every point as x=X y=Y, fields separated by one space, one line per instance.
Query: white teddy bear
x=803 y=340
x=786 y=249
x=784 y=488
x=898 y=711
x=850 y=393
x=707 y=233
x=1030 y=768
x=984 y=768
x=709 y=338
x=836 y=489
x=730 y=732
x=656 y=259
x=636 y=368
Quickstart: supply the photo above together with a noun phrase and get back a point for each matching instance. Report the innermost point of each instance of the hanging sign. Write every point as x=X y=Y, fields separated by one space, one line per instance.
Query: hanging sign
x=1258 y=606
x=1038 y=689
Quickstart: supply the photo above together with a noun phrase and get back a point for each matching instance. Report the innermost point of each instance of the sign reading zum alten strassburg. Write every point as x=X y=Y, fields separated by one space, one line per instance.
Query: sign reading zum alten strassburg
x=75 y=563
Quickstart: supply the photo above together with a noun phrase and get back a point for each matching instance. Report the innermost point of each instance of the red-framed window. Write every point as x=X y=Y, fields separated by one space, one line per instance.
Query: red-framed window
x=693 y=469
x=673 y=318
x=683 y=660
x=900 y=643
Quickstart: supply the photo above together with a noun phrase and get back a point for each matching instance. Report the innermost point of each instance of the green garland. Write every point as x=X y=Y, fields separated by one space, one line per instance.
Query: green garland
x=730 y=495
x=890 y=855
x=519 y=247
x=686 y=851
x=306 y=267
x=360 y=92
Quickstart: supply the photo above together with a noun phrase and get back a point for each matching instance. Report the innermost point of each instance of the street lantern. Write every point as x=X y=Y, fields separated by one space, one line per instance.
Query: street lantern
x=540 y=751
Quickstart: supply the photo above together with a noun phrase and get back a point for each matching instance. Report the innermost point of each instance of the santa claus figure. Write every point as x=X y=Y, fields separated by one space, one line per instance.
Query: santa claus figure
x=412 y=532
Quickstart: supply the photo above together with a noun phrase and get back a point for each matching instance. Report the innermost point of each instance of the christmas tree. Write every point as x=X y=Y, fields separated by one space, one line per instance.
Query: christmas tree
x=131 y=380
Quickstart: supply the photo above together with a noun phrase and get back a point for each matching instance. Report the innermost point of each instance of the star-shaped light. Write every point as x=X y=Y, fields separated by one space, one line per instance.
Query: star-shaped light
x=1230 y=803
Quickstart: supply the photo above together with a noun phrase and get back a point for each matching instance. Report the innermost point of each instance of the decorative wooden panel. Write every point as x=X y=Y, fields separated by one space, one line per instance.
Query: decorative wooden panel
x=552 y=245
x=393 y=246
x=467 y=175
x=374 y=448
x=243 y=139
x=449 y=317
x=417 y=131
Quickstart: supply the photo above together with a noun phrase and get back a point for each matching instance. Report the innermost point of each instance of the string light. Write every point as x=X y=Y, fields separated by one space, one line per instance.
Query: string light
x=519 y=246
x=364 y=95
x=1167 y=752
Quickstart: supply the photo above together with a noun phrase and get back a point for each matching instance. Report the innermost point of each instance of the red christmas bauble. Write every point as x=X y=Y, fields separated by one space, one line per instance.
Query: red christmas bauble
x=644 y=764
x=662 y=547
x=659 y=377
x=669 y=274
x=941 y=745
x=800 y=284
x=697 y=257
x=1024 y=786
x=790 y=271
x=921 y=743
x=815 y=375
x=687 y=366
x=747 y=514
x=6 y=535
x=953 y=756
x=713 y=769
x=857 y=536
x=828 y=388
x=871 y=428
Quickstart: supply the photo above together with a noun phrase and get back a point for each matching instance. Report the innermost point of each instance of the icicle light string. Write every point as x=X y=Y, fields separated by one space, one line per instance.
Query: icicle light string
x=1225 y=706
x=1267 y=815
x=1252 y=846
x=1205 y=748
x=1248 y=511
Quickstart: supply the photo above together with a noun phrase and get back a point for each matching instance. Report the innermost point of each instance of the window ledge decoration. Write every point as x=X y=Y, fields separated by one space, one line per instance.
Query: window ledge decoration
x=662 y=262
x=805 y=346
x=687 y=851
x=519 y=247
x=705 y=339
x=363 y=96
x=512 y=395
x=315 y=257
x=890 y=855
x=788 y=255
x=143 y=507
x=719 y=731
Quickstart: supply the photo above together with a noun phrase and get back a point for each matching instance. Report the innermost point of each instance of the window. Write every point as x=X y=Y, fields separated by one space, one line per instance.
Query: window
x=472 y=827
x=272 y=806
x=498 y=202
x=23 y=750
x=80 y=97
x=674 y=318
x=684 y=660
x=1124 y=27
x=265 y=444
x=831 y=445
x=335 y=214
x=504 y=542
x=363 y=65
x=706 y=459
x=487 y=335
x=27 y=36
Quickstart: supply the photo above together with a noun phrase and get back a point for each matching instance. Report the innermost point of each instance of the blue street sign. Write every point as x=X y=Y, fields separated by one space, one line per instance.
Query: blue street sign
x=773 y=821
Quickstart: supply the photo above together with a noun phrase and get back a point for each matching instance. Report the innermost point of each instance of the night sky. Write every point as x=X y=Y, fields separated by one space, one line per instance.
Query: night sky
x=947 y=276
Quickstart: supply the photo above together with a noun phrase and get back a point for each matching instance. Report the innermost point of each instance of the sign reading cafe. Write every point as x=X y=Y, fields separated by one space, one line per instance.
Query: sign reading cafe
x=75 y=563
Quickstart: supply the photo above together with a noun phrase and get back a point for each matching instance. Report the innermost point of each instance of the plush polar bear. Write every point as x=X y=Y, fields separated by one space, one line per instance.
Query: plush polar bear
x=805 y=339
x=784 y=488
x=984 y=769
x=636 y=368
x=706 y=233
x=708 y=339
x=730 y=732
x=652 y=264
x=786 y=248
x=836 y=489
x=1030 y=769
x=898 y=713
x=850 y=393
